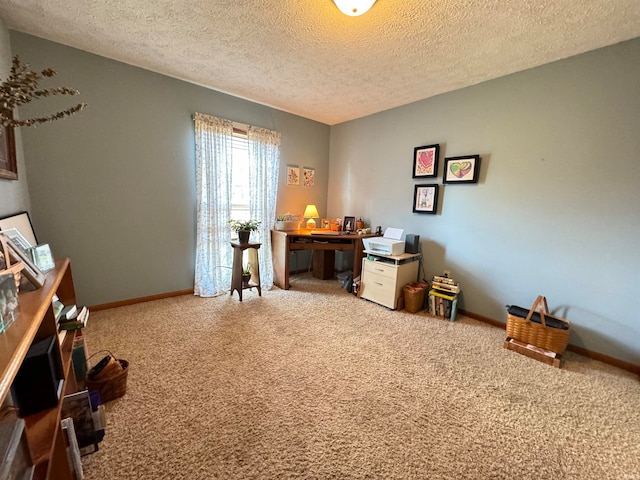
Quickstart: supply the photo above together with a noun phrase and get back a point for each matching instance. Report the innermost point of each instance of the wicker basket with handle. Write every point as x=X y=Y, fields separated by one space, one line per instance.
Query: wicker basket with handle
x=540 y=334
x=111 y=381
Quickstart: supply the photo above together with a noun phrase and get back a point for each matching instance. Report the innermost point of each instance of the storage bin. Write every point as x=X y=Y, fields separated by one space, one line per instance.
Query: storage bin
x=414 y=296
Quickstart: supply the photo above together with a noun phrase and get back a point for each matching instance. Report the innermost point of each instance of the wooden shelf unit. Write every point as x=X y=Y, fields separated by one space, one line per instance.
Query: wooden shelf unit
x=36 y=321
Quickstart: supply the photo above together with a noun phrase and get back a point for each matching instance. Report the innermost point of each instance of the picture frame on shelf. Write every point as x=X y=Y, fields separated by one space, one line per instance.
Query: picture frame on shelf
x=463 y=169
x=8 y=159
x=22 y=222
x=326 y=224
x=425 y=198
x=425 y=161
x=17 y=238
x=9 y=307
x=349 y=224
x=31 y=271
x=42 y=257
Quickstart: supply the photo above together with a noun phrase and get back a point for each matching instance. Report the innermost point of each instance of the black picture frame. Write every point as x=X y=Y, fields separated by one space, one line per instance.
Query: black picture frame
x=425 y=198
x=22 y=222
x=349 y=224
x=425 y=161
x=463 y=169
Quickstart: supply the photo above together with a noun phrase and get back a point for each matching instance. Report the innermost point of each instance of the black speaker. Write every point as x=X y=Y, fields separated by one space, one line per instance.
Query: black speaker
x=36 y=385
x=412 y=243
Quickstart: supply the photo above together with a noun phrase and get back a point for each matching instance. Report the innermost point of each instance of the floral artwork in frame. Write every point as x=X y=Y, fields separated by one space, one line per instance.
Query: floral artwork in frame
x=425 y=199
x=293 y=175
x=461 y=169
x=425 y=161
x=308 y=175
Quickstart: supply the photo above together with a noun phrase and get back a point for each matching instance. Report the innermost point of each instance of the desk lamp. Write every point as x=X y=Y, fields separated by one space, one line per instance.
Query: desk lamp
x=311 y=212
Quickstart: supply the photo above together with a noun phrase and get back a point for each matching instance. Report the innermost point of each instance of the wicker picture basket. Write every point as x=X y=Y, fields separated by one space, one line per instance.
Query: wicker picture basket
x=540 y=334
x=6 y=266
x=112 y=385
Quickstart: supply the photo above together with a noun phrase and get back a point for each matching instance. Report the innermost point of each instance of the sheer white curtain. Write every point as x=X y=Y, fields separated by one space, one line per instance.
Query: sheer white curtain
x=264 y=167
x=213 y=185
x=214 y=165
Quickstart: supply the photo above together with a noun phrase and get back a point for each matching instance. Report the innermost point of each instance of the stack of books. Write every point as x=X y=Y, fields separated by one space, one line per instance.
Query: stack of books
x=68 y=317
x=443 y=297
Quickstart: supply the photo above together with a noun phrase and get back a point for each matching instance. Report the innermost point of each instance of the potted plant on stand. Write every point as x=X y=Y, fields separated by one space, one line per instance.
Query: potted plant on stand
x=246 y=275
x=244 y=228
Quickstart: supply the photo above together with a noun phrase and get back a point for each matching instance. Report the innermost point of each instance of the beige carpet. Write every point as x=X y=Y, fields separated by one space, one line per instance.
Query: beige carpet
x=312 y=383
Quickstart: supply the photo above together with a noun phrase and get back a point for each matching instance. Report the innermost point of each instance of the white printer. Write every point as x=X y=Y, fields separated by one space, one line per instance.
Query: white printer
x=389 y=244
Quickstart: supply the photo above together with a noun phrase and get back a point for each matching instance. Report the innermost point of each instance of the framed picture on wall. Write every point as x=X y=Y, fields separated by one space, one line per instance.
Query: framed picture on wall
x=8 y=162
x=425 y=161
x=293 y=175
x=425 y=199
x=309 y=175
x=461 y=169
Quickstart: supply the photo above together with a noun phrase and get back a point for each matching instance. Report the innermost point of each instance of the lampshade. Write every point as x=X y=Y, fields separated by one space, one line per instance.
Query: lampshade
x=311 y=212
x=353 y=8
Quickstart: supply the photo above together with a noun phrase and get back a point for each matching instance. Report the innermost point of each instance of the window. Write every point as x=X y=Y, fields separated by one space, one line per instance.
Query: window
x=236 y=178
x=240 y=189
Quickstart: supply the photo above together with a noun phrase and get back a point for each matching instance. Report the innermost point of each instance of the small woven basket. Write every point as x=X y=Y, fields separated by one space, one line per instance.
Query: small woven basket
x=414 y=296
x=112 y=387
x=539 y=334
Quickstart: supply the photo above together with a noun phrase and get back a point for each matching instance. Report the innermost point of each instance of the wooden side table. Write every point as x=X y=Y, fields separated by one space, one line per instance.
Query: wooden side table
x=236 y=272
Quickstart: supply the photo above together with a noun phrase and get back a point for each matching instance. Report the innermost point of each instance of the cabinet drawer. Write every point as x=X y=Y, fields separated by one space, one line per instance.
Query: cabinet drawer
x=379 y=289
x=380 y=268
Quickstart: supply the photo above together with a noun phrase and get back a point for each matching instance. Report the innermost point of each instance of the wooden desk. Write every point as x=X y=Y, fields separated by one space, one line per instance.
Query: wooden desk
x=283 y=243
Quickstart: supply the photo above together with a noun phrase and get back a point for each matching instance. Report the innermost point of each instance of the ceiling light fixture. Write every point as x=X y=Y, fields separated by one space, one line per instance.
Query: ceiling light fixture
x=353 y=8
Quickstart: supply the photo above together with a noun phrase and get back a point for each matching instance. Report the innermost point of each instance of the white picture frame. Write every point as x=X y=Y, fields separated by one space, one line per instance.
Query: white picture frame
x=17 y=238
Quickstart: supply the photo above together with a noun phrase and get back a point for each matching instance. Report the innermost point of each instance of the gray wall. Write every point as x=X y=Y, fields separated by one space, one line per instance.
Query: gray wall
x=556 y=210
x=14 y=194
x=113 y=187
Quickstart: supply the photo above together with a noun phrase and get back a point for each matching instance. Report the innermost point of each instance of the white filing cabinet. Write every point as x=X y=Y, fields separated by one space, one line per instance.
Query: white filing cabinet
x=383 y=277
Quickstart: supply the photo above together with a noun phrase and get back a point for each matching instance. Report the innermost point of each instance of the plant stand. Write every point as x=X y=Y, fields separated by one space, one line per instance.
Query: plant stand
x=237 y=282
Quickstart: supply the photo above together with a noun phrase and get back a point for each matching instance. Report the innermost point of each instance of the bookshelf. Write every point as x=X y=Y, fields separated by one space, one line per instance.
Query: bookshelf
x=35 y=322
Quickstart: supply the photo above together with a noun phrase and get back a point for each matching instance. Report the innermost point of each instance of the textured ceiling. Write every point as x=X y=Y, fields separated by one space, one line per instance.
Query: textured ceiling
x=305 y=57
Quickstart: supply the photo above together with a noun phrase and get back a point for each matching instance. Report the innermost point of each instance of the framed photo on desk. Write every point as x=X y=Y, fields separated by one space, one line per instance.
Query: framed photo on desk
x=349 y=224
